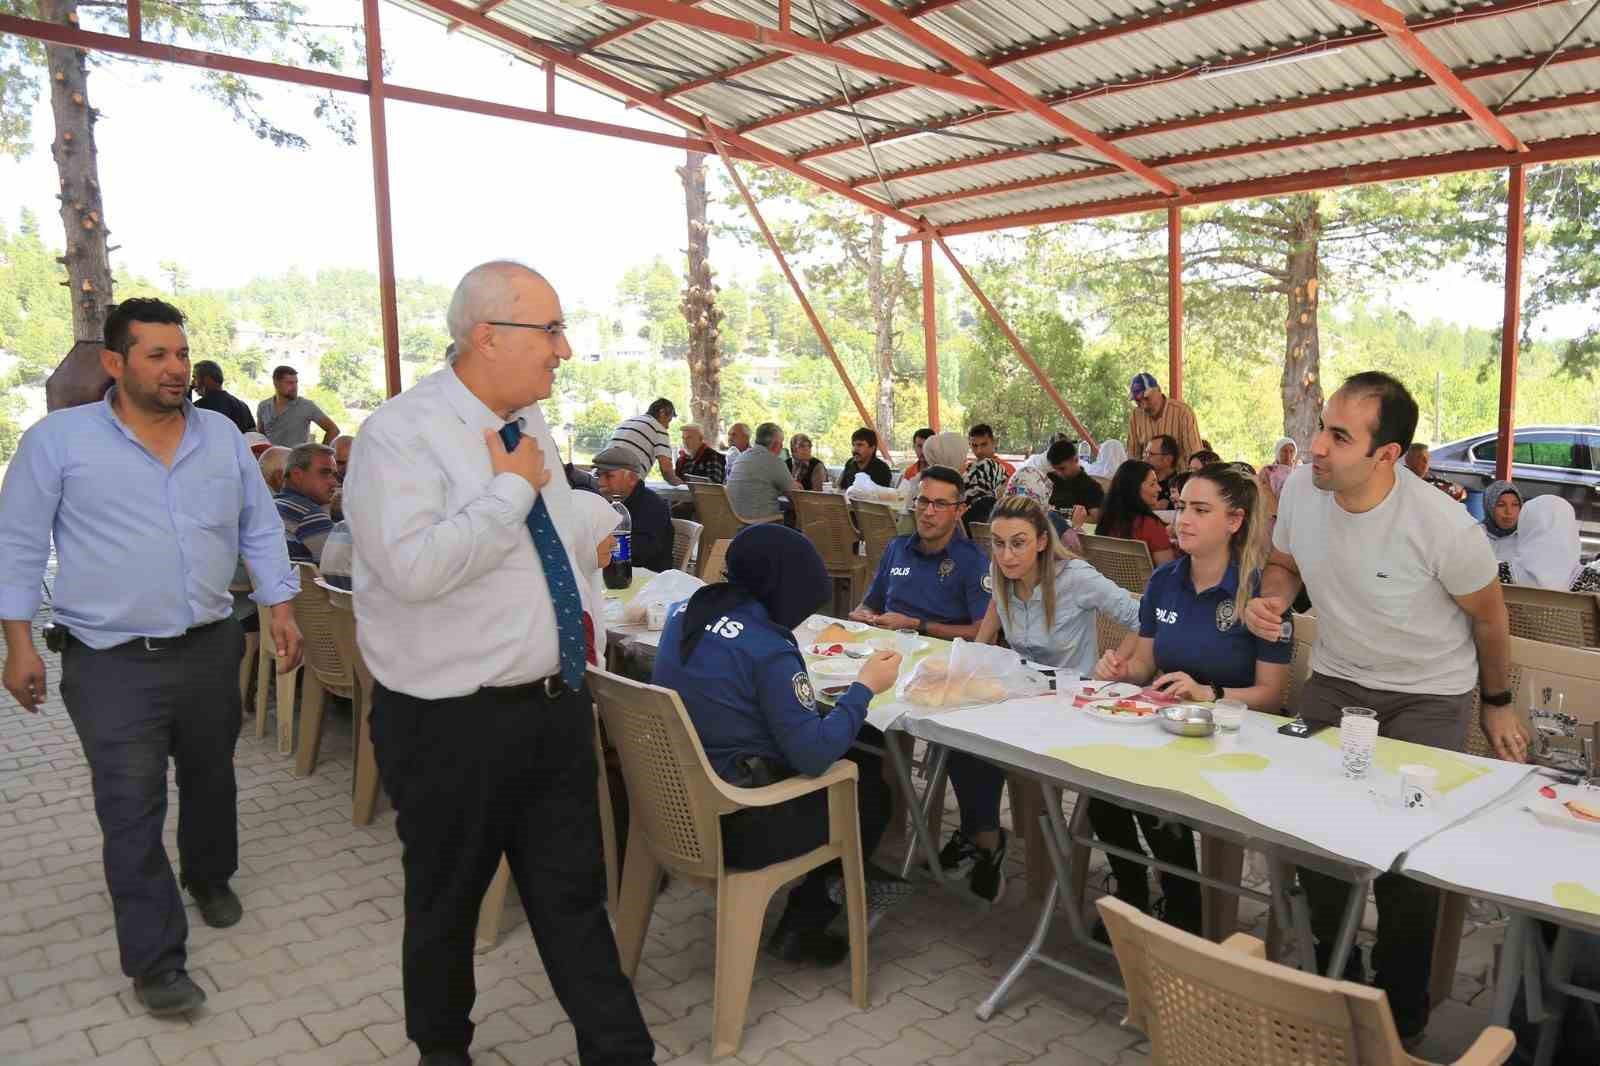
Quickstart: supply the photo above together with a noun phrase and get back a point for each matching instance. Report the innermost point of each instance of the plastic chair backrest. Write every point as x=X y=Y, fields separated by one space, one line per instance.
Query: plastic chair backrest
x=1545 y=676
x=1305 y=636
x=1201 y=1002
x=878 y=527
x=685 y=543
x=1126 y=562
x=315 y=617
x=713 y=567
x=714 y=511
x=343 y=624
x=670 y=795
x=1570 y=618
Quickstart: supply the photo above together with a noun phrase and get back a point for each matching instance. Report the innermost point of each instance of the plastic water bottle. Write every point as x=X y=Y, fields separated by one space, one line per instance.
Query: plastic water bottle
x=618 y=572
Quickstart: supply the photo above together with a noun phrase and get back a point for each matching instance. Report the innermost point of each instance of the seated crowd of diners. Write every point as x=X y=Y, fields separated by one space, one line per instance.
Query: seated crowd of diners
x=731 y=654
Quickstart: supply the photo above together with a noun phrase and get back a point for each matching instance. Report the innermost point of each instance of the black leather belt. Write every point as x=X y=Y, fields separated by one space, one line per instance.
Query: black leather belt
x=551 y=688
x=168 y=643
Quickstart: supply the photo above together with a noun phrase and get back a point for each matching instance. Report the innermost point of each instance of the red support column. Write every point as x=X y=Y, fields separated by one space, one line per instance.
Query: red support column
x=1511 y=324
x=794 y=283
x=380 y=197
x=1016 y=343
x=550 y=87
x=1175 y=302
x=135 y=21
x=930 y=335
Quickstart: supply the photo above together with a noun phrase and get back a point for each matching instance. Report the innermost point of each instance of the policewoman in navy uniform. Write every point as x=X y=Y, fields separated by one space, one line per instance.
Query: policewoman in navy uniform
x=730 y=654
x=1193 y=645
x=938 y=584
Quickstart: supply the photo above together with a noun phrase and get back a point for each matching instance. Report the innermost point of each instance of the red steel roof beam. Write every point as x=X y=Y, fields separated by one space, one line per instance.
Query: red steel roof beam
x=669 y=111
x=927 y=7
x=1557 y=150
x=1493 y=9
x=796 y=44
x=1393 y=24
x=1231 y=151
x=1092 y=35
x=1022 y=101
x=1363 y=92
x=620 y=32
x=799 y=290
x=1016 y=342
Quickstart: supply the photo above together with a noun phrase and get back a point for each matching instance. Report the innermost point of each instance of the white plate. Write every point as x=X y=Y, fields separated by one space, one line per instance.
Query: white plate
x=1554 y=811
x=834 y=670
x=904 y=643
x=847 y=651
x=1111 y=690
x=816 y=623
x=1101 y=709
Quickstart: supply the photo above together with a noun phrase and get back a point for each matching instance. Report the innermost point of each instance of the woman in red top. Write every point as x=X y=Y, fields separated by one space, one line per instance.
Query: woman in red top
x=1129 y=510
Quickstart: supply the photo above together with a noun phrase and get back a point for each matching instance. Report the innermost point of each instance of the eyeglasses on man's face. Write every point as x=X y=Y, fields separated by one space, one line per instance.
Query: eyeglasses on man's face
x=554 y=328
x=922 y=503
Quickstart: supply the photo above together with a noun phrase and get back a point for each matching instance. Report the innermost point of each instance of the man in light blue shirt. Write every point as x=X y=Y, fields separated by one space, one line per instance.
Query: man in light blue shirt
x=150 y=502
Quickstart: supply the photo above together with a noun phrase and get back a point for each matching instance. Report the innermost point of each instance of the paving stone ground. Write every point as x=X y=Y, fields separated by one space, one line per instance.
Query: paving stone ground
x=311 y=976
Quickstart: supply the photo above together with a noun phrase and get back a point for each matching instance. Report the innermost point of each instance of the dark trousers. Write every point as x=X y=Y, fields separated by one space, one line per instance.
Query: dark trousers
x=1171 y=843
x=133 y=708
x=1402 y=957
x=760 y=836
x=503 y=771
x=978 y=784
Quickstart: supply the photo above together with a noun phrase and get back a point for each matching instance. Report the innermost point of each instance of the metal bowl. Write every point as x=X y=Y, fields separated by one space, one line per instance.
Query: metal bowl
x=1188 y=721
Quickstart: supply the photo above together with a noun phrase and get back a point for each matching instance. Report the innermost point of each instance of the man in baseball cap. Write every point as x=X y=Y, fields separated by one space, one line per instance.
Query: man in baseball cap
x=621 y=477
x=1156 y=414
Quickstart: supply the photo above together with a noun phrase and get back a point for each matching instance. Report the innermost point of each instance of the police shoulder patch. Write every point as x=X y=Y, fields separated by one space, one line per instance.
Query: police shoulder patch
x=988 y=583
x=803 y=690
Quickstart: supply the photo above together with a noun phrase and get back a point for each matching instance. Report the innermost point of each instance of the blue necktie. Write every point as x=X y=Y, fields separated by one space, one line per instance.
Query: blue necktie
x=557 y=575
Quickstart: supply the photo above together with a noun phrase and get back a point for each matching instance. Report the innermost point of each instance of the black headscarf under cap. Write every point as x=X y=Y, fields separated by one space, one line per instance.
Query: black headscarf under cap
x=770 y=564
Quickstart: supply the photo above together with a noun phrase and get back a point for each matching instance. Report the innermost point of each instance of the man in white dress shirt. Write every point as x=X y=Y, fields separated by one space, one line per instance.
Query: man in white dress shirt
x=476 y=630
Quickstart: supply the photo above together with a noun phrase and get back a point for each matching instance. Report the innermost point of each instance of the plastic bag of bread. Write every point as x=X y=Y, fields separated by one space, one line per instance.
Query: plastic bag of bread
x=972 y=674
x=666 y=588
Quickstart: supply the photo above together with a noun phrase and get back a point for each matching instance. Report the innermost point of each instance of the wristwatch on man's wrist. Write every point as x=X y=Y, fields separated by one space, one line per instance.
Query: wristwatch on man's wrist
x=922 y=627
x=1497 y=699
x=1216 y=692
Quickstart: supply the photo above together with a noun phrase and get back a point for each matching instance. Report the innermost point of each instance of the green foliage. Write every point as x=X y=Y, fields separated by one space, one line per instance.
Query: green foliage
x=275 y=30
x=595 y=424
x=655 y=290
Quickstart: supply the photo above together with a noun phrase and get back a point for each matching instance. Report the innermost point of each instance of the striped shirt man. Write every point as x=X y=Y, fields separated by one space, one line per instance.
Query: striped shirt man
x=1155 y=414
x=646 y=437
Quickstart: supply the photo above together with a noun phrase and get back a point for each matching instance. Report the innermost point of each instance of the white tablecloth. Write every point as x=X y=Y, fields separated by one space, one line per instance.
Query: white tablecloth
x=1506 y=852
x=1291 y=790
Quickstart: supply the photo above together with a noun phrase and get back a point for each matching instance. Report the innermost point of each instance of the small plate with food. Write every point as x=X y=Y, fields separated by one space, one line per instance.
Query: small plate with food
x=1121 y=711
x=1568 y=807
x=1110 y=690
x=836 y=649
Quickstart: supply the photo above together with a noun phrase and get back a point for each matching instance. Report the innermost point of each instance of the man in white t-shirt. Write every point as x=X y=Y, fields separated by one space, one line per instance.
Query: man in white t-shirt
x=1409 y=619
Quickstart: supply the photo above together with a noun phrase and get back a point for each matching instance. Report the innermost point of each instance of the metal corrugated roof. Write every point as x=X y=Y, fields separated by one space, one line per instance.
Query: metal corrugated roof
x=1319 y=90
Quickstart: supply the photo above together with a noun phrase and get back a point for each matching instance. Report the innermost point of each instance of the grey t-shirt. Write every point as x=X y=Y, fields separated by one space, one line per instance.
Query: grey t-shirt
x=1384 y=583
x=756 y=482
x=292 y=425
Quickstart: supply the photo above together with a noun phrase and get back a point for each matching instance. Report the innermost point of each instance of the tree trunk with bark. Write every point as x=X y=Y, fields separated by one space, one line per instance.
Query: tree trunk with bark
x=700 y=305
x=78 y=379
x=1302 y=357
x=883 y=294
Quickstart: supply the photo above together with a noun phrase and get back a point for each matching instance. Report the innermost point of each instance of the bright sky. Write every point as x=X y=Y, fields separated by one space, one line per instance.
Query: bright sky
x=184 y=181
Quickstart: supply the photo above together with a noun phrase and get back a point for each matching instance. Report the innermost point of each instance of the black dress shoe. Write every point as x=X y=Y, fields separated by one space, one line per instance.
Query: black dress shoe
x=168 y=993
x=815 y=946
x=445 y=1058
x=219 y=907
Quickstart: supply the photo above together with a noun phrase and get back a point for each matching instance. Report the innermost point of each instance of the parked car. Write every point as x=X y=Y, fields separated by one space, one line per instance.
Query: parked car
x=1544 y=459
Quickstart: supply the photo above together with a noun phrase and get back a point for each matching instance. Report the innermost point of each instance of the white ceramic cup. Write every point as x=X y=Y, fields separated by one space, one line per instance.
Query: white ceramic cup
x=1419 y=787
x=655 y=616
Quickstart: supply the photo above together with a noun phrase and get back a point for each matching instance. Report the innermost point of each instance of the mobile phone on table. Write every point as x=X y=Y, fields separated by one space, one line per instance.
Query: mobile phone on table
x=1301 y=729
